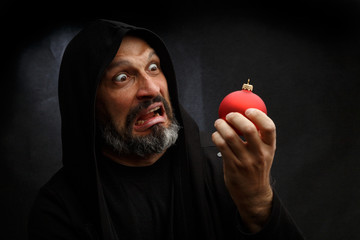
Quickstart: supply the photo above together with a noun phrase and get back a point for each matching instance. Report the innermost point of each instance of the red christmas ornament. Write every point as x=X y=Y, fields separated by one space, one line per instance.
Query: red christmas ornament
x=240 y=101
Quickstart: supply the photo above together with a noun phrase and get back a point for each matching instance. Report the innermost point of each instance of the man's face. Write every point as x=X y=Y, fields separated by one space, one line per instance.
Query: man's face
x=133 y=95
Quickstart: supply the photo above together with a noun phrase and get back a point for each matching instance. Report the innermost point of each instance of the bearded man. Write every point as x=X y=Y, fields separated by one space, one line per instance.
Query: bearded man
x=135 y=165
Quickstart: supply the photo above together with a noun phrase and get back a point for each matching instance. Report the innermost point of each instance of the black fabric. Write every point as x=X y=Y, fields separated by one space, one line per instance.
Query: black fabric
x=75 y=203
x=139 y=198
x=58 y=209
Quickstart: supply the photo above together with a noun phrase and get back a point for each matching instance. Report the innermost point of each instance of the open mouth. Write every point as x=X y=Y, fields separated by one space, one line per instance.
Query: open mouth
x=147 y=118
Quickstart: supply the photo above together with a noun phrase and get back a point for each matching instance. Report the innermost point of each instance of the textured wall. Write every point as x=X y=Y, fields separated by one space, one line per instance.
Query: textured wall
x=304 y=62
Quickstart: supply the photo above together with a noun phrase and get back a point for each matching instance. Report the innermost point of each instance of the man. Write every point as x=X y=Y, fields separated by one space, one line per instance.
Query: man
x=135 y=164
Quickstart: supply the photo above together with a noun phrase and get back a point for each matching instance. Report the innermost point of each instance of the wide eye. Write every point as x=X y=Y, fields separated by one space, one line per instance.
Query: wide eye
x=122 y=77
x=153 y=67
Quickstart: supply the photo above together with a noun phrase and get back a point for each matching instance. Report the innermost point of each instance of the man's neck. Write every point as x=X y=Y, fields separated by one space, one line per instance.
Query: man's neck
x=132 y=160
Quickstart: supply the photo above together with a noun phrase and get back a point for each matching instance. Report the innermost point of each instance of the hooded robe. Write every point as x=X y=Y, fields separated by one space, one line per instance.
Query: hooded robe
x=78 y=201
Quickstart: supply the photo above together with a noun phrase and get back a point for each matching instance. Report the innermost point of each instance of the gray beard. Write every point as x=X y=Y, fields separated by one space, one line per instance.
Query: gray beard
x=124 y=143
x=157 y=141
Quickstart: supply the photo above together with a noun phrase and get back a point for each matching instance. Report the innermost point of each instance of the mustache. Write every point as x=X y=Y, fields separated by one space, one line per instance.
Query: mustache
x=131 y=117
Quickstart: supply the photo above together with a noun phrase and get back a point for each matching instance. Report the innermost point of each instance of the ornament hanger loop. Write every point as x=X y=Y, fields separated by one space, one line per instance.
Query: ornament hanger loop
x=247 y=86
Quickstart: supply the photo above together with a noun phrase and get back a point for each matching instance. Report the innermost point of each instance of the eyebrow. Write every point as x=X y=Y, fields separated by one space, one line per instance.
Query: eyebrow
x=126 y=62
x=152 y=53
x=118 y=63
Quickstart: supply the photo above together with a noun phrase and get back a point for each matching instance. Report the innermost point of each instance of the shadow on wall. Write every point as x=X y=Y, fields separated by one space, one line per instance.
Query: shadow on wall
x=32 y=134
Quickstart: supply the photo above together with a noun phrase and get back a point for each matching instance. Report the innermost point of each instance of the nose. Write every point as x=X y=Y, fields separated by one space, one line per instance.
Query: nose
x=147 y=88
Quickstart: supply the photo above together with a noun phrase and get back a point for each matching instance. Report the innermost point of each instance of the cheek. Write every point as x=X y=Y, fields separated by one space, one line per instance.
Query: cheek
x=164 y=89
x=111 y=108
x=119 y=111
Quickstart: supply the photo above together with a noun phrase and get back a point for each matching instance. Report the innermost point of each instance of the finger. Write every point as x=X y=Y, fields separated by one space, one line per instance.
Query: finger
x=245 y=126
x=227 y=154
x=264 y=123
x=231 y=138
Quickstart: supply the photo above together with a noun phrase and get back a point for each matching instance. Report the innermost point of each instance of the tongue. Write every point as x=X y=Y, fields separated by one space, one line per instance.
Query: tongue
x=147 y=116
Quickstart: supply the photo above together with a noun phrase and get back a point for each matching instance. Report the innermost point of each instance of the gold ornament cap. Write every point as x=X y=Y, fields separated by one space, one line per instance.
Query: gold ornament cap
x=247 y=86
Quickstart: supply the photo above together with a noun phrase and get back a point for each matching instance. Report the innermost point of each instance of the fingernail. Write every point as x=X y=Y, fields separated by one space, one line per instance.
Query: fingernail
x=229 y=115
x=249 y=111
x=216 y=122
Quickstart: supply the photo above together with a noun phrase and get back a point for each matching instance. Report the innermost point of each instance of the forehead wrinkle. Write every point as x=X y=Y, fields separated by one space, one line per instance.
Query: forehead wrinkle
x=123 y=62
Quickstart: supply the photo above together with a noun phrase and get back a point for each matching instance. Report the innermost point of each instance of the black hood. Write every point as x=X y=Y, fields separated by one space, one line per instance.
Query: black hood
x=84 y=62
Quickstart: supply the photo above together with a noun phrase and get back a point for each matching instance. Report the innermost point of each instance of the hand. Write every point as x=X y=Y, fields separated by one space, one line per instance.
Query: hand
x=247 y=163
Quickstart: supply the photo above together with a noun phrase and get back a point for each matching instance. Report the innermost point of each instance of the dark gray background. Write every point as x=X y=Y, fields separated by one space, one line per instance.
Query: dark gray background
x=303 y=59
